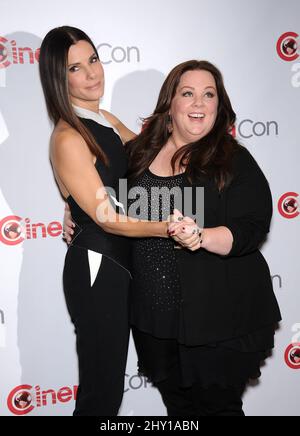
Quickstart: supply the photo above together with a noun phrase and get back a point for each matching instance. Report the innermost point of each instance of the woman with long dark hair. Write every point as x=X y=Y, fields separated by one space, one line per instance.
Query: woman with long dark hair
x=88 y=157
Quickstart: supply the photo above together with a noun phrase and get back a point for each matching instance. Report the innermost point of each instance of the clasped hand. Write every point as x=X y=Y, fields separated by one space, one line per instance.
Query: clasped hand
x=184 y=231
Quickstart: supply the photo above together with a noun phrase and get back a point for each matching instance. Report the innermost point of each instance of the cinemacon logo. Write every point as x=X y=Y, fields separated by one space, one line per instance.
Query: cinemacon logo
x=118 y=54
x=14 y=230
x=288 y=46
x=12 y=53
x=25 y=398
x=288 y=49
x=292 y=353
x=292 y=356
x=288 y=205
x=249 y=128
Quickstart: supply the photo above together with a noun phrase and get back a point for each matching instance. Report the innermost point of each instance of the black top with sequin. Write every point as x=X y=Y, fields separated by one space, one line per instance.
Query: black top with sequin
x=157 y=293
x=156 y=290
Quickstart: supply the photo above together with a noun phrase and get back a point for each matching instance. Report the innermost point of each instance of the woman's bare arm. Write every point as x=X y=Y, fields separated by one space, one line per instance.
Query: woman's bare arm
x=73 y=164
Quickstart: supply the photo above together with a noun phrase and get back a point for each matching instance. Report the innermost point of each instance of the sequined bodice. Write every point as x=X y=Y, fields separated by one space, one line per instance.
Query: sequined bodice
x=156 y=286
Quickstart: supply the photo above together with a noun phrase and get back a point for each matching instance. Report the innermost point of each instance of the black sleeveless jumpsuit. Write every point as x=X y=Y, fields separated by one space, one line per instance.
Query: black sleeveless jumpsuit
x=96 y=281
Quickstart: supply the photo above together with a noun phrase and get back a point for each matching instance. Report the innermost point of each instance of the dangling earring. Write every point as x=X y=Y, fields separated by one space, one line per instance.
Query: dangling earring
x=170 y=124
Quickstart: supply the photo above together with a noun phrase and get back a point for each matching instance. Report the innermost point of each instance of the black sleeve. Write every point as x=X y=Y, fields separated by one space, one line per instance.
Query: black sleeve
x=249 y=205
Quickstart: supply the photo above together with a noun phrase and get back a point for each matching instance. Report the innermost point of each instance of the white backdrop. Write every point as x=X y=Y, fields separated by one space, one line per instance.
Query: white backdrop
x=139 y=42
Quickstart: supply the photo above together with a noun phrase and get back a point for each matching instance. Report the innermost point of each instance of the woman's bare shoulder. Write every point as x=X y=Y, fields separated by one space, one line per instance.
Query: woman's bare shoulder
x=64 y=135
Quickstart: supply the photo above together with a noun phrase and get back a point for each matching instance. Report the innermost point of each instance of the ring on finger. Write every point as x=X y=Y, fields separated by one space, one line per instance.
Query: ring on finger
x=197 y=230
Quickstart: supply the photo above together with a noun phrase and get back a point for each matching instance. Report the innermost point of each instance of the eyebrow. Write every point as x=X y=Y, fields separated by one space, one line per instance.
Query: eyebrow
x=191 y=87
x=78 y=63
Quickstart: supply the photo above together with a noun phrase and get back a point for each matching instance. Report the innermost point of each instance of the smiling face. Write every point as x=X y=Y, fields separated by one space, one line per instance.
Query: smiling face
x=85 y=75
x=194 y=107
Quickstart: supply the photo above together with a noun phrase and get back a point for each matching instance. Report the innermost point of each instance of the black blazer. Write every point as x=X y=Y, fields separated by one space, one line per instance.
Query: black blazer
x=225 y=297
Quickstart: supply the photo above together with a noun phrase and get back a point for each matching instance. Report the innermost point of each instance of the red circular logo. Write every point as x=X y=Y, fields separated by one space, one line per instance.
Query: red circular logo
x=288 y=205
x=292 y=356
x=11 y=230
x=20 y=400
x=4 y=62
x=287 y=46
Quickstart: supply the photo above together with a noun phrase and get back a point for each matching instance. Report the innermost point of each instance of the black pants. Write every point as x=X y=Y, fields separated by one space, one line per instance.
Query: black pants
x=199 y=401
x=100 y=316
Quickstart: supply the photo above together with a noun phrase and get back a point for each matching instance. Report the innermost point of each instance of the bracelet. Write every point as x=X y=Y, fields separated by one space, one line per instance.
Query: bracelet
x=167 y=230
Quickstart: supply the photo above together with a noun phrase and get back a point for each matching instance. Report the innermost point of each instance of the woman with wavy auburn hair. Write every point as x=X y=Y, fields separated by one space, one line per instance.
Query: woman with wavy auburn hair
x=202 y=321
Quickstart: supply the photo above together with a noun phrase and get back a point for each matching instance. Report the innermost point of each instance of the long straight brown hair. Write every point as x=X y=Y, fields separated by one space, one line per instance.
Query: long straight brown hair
x=54 y=78
x=210 y=156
